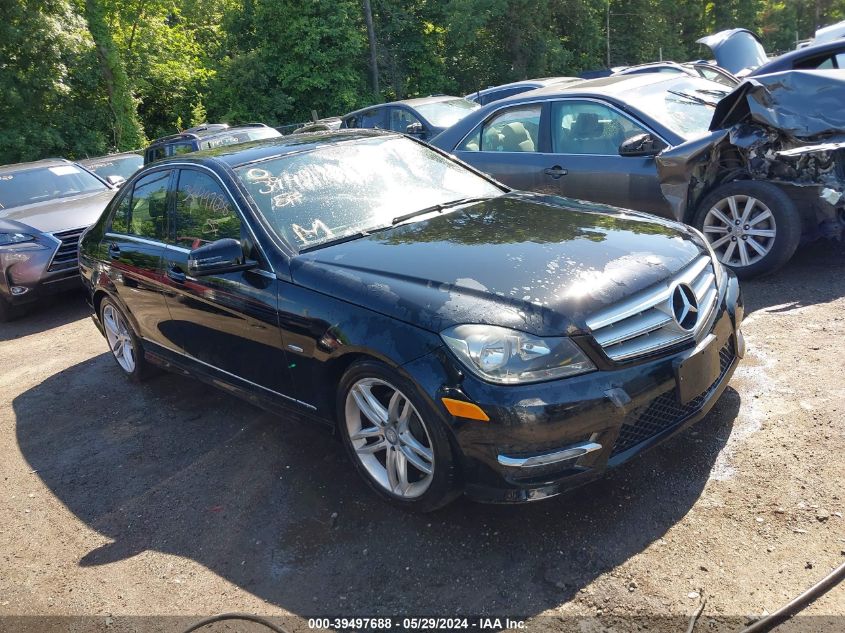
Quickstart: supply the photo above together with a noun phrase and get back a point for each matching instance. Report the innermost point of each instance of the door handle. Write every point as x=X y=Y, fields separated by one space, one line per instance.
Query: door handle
x=176 y=274
x=555 y=172
x=114 y=251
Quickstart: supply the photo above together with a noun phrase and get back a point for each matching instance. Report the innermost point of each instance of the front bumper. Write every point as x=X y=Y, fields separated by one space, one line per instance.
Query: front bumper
x=26 y=274
x=546 y=438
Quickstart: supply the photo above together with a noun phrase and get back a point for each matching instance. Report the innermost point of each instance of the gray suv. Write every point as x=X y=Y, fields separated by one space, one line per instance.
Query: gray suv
x=45 y=207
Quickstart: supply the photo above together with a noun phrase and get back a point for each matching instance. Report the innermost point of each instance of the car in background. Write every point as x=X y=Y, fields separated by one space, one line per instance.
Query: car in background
x=826 y=56
x=701 y=69
x=494 y=93
x=423 y=118
x=826 y=34
x=206 y=136
x=44 y=208
x=327 y=124
x=457 y=335
x=739 y=51
x=114 y=168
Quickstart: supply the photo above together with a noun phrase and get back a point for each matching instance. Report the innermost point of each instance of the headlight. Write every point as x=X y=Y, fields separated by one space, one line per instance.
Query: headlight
x=718 y=269
x=506 y=356
x=7 y=239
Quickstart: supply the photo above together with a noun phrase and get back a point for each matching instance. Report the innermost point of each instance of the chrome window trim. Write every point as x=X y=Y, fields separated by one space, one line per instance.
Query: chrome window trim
x=134 y=238
x=223 y=371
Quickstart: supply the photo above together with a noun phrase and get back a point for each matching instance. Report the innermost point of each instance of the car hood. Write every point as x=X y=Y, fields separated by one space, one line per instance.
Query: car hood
x=61 y=214
x=540 y=264
x=736 y=50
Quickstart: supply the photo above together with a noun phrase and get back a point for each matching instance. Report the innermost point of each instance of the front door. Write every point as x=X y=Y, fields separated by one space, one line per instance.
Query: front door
x=227 y=321
x=585 y=161
x=134 y=245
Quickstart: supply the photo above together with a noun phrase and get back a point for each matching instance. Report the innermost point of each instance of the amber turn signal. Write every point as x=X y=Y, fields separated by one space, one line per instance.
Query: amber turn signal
x=461 y=409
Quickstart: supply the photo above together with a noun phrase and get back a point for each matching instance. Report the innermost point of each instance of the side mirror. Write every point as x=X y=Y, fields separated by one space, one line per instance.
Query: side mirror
x=223 y=256
x=641 y=145
x=116 y=180
x=415 y=129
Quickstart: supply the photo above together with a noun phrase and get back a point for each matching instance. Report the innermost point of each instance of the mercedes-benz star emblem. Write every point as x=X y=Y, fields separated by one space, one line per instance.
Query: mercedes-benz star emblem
x=684 y=306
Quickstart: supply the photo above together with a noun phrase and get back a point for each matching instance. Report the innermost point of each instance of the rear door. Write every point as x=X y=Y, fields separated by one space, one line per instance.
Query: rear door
x=510 y=146
x=585 y=161
x=134 y=244
x=228 y=321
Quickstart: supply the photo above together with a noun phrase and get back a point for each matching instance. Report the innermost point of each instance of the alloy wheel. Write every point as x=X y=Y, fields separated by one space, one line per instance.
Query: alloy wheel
x=740 y=229
x=389 y=438
x=119 y=338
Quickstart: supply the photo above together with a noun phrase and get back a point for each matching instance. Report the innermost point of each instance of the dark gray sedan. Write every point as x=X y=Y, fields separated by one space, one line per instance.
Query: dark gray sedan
x=422 y=118
x=595 y=140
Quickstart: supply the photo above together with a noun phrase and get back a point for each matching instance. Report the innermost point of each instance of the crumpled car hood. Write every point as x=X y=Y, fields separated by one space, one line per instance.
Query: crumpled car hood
x=785 y=127
x=539 y=264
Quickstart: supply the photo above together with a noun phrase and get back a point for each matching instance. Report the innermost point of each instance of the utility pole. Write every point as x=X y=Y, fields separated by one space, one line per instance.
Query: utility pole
x=371 y=36
x=607 y=29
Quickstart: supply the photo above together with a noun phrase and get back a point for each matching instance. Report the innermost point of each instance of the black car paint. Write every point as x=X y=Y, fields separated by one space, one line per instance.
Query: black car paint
x=305 y=318
x=807 y=58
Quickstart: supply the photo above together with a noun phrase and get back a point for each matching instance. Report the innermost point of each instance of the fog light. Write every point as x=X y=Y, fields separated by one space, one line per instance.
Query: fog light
x=19 y=290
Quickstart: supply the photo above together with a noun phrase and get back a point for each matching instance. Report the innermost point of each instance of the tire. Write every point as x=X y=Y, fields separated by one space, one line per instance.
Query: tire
x=754 y=240
x=124 y=344
x=413 y=439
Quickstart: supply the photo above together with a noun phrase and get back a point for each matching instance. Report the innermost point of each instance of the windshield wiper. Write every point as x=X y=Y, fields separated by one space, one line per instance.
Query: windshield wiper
x=692 y=98
x=435 y=207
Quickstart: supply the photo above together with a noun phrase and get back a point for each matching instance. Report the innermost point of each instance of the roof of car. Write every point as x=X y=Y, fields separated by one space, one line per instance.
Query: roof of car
x=47 y=162
x=243 y=153
x=204 y=132
x=417 y=101
x=613 y=85
x=784 y=62
x=98 y=159
x=532 y=83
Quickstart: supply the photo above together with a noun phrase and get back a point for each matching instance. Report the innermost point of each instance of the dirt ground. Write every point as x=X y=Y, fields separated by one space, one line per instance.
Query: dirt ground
x=172 y=498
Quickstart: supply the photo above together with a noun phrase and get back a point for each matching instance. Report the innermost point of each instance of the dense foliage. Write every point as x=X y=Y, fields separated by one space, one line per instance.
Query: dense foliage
x=82 y=77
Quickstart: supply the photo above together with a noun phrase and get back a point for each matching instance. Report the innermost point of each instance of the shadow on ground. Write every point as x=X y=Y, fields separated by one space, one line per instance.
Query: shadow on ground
x=176 y=466
x=813 y=275
x=47 y=314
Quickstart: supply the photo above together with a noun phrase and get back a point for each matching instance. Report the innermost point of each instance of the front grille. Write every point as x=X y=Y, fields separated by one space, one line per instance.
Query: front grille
x=66 y=258
x=665 y=411
x=643 y=323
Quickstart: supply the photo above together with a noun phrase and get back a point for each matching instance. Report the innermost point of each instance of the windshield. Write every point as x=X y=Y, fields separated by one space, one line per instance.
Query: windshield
x=123 y=166
x=46 y=183
x=685 y=106
x=446 y=113
x=239 y=136
x=339 y=190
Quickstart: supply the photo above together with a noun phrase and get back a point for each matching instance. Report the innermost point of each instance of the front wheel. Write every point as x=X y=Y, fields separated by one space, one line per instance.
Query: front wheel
x=394 y=439
x=754 y=227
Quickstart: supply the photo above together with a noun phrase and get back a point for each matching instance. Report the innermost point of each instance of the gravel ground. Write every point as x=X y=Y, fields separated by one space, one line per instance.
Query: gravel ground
x=172 y=498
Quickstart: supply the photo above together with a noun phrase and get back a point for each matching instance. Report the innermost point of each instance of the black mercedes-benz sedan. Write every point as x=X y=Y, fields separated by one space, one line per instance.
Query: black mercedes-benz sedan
x=459 y=336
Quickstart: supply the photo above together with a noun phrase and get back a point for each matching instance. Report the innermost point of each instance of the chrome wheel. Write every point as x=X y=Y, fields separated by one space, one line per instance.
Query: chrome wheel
x=741 y=230
x=120 y=341
x=389 y=437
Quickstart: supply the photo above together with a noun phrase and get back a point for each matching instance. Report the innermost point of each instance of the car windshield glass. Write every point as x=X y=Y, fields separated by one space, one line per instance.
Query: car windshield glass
x=347 y=188
x=684 y=106
x=446 y=113
x=123 y=166
x=45 y=183
x=239 y=136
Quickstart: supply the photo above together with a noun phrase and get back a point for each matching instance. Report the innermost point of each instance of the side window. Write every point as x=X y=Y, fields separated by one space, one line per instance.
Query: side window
x=120 y=219
x=204 y=211
x=514 y=130
x=351 y=122
x=373 y=119
x=155 y=153
x=400 y=119
x=586 y=127
x=148 y=209
x=180 y=148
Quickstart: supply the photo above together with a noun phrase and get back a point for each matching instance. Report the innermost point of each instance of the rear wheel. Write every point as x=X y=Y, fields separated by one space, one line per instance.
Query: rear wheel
x=124 y=344
x=754 y=227
x=395 y=441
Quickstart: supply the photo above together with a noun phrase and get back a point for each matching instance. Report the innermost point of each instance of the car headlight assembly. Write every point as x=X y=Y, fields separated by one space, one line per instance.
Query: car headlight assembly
x=506 y=356
x=7 y=239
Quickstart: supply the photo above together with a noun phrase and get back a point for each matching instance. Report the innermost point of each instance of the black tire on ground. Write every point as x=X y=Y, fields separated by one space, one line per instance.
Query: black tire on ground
x=445 y=485
x=142 y=369
x=787 y=225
